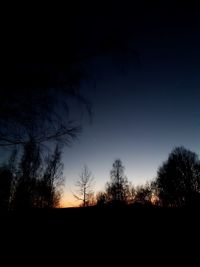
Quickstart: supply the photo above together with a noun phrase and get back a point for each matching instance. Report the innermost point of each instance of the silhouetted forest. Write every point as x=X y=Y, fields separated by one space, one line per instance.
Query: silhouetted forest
x=36 y=121
x=35 y=125
x=122 y=78
x=29 y=181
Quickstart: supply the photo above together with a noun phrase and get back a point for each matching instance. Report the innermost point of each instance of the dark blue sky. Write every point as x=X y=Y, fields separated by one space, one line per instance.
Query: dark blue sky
x=140 y=64
x=145 y=101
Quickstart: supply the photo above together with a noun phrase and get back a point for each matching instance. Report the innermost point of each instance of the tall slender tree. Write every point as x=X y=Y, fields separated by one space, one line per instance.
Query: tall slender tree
x=118 y=188
x=28 y=172
x=6 y=178
x=52 y=180
x=85 y=186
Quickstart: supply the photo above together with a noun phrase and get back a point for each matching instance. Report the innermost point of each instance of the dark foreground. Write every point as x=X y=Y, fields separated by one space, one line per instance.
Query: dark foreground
x=96 y=218
x=101 y=235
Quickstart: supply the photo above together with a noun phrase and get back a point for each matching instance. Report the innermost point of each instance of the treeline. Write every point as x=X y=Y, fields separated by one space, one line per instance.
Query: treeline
x=30 y=180
x=177 y=184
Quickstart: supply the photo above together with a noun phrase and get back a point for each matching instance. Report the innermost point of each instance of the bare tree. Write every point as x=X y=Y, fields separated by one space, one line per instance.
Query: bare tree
x=36 y=103
x=35 y=114
x=85 y=186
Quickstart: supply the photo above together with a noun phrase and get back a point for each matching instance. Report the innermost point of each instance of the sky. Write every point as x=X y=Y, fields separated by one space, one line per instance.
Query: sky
x=139 y=64
x=145 y=96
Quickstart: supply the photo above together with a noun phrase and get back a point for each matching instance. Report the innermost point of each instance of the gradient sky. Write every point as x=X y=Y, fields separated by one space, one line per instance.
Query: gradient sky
x=145 y=100
x=140 y=64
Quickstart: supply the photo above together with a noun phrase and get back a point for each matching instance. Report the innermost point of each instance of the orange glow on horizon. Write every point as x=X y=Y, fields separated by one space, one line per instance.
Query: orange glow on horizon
x=67 y=202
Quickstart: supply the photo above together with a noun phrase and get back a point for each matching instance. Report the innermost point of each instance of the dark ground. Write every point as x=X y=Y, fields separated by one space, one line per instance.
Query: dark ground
x=94 y=218
x=98 y=236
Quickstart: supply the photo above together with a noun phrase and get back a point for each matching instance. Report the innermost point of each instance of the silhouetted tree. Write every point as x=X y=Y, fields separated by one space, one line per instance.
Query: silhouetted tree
x=49 y=187
x=41 y=114
x=38 y=183
x=117 y=189
x=131 y=193
x=12 y=166
x=34 y=96
x=143 y=194
x=85 y=186
x=28 y=173
x=155 y=200
x=101 y=198
x=91 y=199
x=178 y=179
x=6 y=177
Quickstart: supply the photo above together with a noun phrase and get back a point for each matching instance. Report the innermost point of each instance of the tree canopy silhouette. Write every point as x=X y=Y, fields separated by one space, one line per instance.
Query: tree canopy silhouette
x=143 y=194
x=6 y=178
x=178 y=179
x=52 y=180
x=28 y=172
x=118 y=188
x=34 y=96
x=37 y=105
x=37 y=181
